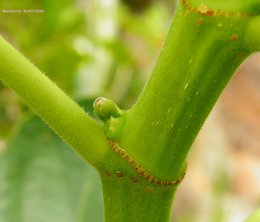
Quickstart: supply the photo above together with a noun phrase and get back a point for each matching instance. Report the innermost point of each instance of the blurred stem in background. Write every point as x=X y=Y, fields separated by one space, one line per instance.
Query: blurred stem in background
x=138 y=5
x=103 y=28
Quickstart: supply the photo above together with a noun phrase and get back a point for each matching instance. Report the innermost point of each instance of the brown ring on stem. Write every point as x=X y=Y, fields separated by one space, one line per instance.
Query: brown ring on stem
x=142 y=172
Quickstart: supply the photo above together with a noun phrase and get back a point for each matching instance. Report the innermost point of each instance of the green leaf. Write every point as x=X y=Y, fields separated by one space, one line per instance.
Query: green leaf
x=43 y=180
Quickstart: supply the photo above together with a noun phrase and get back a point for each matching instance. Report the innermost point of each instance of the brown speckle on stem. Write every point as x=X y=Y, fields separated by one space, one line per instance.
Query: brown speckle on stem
x=149 y=190
x=134 y=179
x=119 y=174
x=200 y=21
x=233 y=37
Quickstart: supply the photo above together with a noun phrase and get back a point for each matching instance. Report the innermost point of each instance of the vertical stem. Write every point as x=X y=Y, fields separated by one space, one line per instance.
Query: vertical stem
x=135 y=203
x=130 y=197
x=199 y=57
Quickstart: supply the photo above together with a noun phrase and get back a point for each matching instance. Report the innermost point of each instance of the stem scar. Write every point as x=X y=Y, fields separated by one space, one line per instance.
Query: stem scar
x=206 y=11
x=134 y=179
x=119 y=174
x=233 y=37
x=200 y=21
x=142 y=172
x=149 y=190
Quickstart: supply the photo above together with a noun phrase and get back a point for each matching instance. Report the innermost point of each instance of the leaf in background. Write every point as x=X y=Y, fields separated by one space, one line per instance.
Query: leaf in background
x=47 y=38
x=43 y=180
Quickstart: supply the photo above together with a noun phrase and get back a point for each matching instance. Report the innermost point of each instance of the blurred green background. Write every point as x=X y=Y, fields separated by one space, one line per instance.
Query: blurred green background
x=107 y=48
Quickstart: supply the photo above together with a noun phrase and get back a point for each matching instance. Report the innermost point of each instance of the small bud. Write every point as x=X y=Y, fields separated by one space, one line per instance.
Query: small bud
x=113 y=117
x=105 y=109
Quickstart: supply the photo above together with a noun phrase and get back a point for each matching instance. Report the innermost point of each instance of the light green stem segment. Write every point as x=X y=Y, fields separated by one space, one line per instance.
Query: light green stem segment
x=252 y=35
x=52 y=104
x=255 y=217
x=133 y=202
x=129 y=197
x=202 y=51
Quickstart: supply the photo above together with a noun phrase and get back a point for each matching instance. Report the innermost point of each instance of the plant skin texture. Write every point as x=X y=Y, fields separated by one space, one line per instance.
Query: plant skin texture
x=140 y=153
x=47 y=100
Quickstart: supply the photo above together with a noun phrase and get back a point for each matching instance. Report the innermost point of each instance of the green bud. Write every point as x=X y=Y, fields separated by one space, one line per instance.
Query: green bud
x=106 y=108
x=114 y=126
x=113 y=117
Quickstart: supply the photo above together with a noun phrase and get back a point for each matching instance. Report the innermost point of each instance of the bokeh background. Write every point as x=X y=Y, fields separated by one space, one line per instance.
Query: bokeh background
x=93 y=48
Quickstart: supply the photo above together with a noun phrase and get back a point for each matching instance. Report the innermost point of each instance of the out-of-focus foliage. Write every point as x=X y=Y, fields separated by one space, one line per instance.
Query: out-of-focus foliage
x=46 y=38
x=42 y=179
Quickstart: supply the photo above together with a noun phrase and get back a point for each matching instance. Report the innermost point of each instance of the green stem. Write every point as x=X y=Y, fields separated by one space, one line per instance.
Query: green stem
x=255 y=217
x=252 y=37
x=130 y=197
x=199 y=58
x=136 y=203
x=200 y=55
x=52 y=104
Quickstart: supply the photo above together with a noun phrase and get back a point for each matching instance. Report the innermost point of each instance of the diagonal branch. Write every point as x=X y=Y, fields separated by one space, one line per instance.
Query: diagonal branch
x=48 y=101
